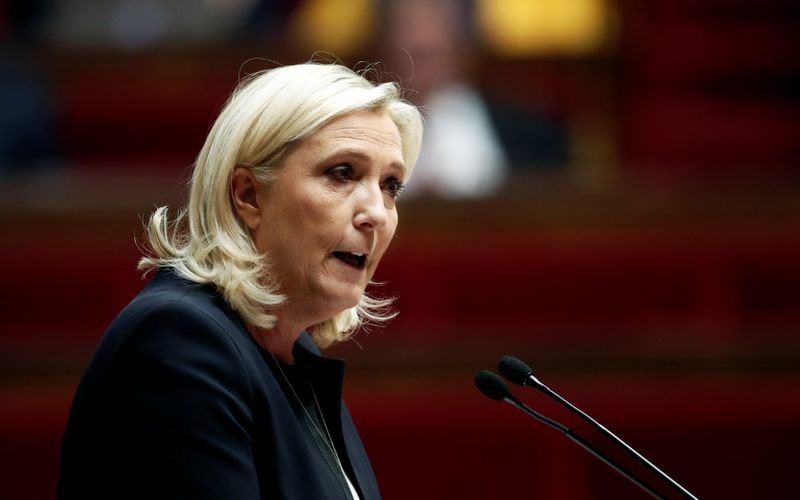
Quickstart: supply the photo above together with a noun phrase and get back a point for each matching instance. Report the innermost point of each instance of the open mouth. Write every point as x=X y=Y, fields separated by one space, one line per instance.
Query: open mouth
x=357 y=260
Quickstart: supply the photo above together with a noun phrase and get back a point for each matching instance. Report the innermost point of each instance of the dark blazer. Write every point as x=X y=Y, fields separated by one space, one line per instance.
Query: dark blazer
x=179 y=401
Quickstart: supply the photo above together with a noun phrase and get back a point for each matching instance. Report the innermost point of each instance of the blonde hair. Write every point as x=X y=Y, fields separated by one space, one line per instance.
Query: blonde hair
x=267 y=113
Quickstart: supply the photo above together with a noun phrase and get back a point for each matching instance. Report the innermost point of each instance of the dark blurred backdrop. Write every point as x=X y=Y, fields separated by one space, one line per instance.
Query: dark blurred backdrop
x=632 y=231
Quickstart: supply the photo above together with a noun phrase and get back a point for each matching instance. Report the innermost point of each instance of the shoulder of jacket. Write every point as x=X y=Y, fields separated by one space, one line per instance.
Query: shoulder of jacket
x=176 y=317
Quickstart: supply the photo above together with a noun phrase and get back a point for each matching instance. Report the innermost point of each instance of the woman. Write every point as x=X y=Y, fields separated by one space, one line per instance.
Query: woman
x=209 y=384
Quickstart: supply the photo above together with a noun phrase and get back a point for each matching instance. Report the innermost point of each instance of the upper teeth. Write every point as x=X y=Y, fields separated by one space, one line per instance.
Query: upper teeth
x=357 y=254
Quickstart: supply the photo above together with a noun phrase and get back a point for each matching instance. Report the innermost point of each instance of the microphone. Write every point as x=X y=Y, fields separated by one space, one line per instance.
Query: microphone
x=493 y=387
x=518 y=372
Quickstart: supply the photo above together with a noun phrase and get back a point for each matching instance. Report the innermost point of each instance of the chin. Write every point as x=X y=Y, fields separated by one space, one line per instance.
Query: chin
x=351 y=302
x=342 y=299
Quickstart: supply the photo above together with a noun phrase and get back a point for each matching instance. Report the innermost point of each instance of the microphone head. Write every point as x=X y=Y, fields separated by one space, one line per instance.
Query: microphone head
x=515 y=370
x=491 y=385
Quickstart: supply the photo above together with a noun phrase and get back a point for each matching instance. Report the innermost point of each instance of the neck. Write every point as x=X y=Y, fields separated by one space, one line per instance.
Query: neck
x=278 y=340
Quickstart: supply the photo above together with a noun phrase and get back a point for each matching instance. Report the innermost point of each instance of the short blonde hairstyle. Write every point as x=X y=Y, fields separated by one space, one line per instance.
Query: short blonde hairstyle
x=267 y=113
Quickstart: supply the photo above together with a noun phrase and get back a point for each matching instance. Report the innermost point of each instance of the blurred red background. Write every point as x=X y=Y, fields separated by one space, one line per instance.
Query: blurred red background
x=648 y=270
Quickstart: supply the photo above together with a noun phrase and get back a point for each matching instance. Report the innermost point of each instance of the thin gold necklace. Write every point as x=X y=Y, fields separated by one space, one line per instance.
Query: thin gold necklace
x=326 y=438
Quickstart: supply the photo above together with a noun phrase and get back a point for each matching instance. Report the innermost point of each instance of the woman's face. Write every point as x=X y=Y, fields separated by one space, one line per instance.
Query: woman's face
x=330 y=214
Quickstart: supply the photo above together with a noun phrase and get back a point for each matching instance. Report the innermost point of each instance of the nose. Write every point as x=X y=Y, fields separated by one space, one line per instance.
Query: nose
x=370 y=210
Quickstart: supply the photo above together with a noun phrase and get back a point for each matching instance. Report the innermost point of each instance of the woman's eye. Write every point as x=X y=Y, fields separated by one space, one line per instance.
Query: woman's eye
x=341 y=172
x=394 y=187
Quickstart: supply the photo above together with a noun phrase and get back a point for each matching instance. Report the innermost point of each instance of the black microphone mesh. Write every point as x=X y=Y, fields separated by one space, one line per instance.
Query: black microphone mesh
x=491 y=385
x=515 y=370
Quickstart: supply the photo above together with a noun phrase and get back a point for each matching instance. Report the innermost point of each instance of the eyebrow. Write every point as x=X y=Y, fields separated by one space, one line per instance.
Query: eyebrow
x=361 y=156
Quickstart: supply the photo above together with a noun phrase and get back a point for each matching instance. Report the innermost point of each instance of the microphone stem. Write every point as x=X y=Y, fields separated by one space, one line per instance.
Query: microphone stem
x=605 y=459
x=583 y=444
x=597 y=425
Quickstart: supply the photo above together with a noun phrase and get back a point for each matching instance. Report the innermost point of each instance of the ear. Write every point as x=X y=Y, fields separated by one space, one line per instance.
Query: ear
x=243 y=195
